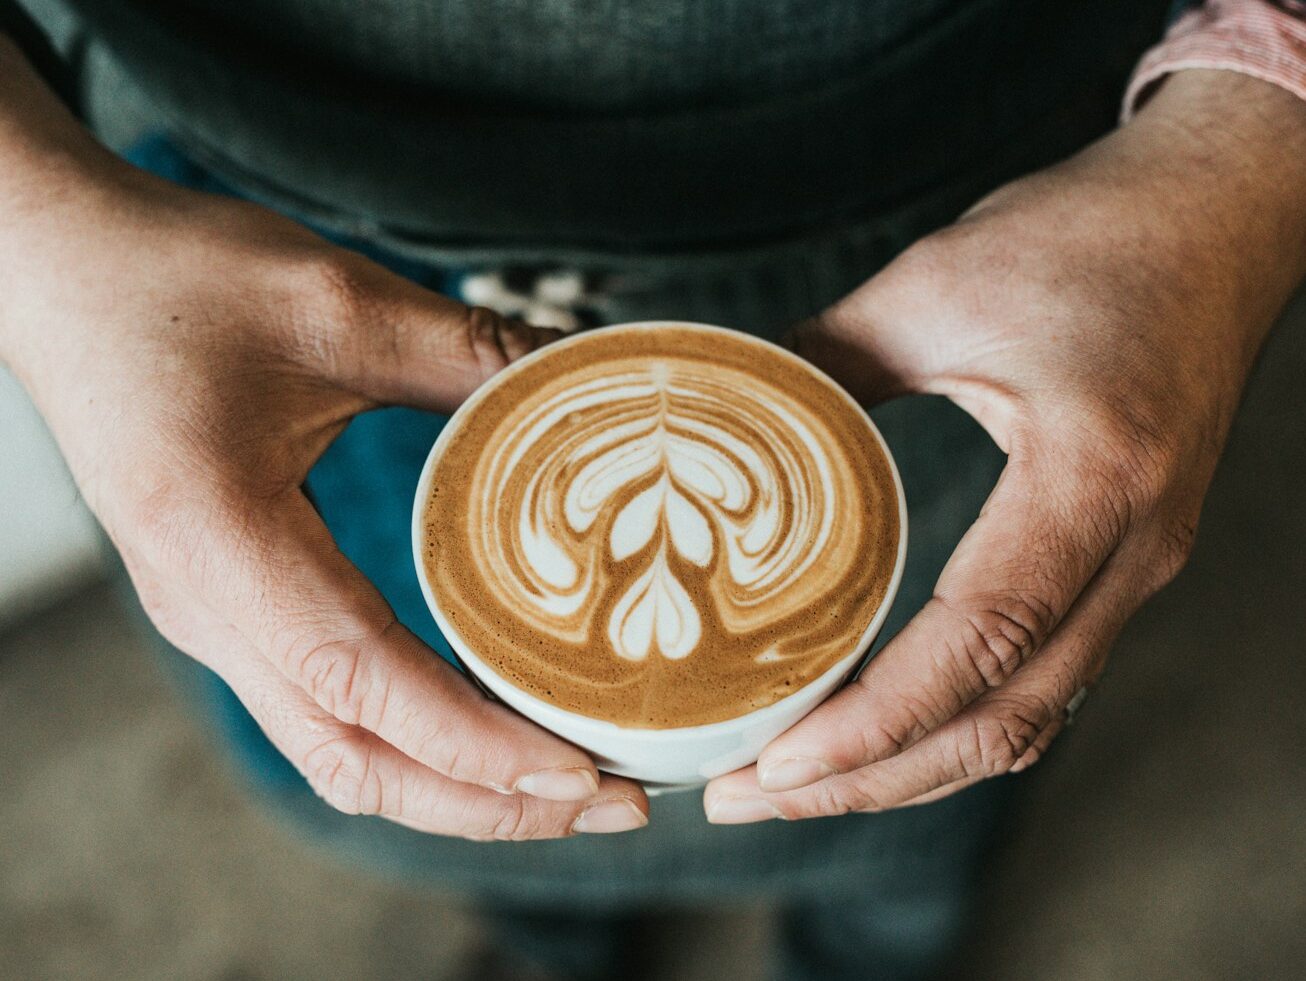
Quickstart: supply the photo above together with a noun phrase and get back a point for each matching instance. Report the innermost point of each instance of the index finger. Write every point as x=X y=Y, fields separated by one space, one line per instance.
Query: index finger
x=280 y=579
x=1009 y=583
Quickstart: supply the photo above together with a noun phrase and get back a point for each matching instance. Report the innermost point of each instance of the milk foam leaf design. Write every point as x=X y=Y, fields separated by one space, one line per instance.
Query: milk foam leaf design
x=637 y=522
x=545 y=555
x=662 y=465
x=639 y=519
x=689 y=530
x=655 y=608
x=661 y=526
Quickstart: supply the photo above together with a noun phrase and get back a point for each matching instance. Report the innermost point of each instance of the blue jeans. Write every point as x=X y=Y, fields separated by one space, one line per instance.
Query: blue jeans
x=866 y=896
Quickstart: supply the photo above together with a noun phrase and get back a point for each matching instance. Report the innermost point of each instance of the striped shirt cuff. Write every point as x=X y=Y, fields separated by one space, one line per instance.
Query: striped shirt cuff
x=1265 y=39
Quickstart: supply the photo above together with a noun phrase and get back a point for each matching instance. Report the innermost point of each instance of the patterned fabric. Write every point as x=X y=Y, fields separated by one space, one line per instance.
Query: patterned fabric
x=1265 y=39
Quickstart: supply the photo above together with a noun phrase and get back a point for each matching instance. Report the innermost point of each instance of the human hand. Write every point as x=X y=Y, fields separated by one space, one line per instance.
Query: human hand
x=194 y=356
x=1099 y=320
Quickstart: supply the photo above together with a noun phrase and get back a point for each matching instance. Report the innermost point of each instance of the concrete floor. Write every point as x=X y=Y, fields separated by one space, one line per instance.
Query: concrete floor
x=1165 y=840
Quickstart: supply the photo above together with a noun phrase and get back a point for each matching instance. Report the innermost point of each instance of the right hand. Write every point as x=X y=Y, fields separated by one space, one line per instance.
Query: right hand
x=194 y=356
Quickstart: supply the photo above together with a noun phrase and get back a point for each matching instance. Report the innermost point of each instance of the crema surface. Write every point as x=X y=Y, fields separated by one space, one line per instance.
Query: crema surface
x=661 y=526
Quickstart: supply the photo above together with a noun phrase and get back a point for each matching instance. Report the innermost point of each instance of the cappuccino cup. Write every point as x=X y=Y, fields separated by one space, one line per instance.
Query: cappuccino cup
x=665 y=542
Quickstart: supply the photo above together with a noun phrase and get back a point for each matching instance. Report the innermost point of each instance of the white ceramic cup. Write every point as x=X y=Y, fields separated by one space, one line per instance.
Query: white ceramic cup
x=659 y=758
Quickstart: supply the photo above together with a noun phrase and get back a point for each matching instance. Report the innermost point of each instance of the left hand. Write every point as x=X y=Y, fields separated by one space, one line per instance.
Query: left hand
x=1099 y=319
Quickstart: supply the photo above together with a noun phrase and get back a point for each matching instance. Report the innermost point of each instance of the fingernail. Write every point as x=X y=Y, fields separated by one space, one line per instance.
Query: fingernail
x=792 y=773
x=564 y=783
x=609 y=816
x=741 y=810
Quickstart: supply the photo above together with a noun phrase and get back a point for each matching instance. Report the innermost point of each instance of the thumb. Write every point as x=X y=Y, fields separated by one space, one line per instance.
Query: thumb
x=397 y=342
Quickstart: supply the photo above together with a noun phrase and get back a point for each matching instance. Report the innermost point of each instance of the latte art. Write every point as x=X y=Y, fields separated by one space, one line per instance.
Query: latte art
x=660 y=467
x=661 y=527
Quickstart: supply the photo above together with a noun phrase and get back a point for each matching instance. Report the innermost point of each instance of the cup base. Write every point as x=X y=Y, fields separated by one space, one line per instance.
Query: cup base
x=658 y=789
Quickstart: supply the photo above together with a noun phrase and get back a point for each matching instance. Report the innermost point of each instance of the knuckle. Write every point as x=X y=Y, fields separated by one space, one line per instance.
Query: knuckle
x=1173 y=548
x=995 y=742
x=998 y=636
x=832 y=798
x=489 y=340
x=1101 y=512
x=343 y=678
x=515 y=820
x=162 y=522
x=868 y=799
x=1120 y=461
x=342 y=771
x=186 y=529
x=1040 y=746
x=435 y=743
x=880 y=737
x=1139 y=457
x=335 y=323
x=334 y=287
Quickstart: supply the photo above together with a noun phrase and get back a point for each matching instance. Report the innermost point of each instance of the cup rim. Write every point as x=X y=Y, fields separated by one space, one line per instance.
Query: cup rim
x=477 y=667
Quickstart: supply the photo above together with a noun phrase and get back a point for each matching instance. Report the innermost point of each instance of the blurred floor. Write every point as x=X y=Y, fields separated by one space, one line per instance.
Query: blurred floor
x=1165 y=840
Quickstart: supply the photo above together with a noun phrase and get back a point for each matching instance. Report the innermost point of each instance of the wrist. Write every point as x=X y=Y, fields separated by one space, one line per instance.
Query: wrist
x=54 y=179
x=1223 y=156
x=1194 y=213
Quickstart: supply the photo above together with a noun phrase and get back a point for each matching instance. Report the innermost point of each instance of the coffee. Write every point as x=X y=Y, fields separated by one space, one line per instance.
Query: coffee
x=661 y=525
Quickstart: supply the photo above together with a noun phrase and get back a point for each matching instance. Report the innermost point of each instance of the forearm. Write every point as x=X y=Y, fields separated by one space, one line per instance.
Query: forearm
x=1225 y=156
x=52 y=171
x=1200 y=200
x=1235 y=149
x=42 y=145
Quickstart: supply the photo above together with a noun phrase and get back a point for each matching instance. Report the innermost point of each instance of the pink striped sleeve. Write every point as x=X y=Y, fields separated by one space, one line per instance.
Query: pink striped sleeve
x=1262 y=38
